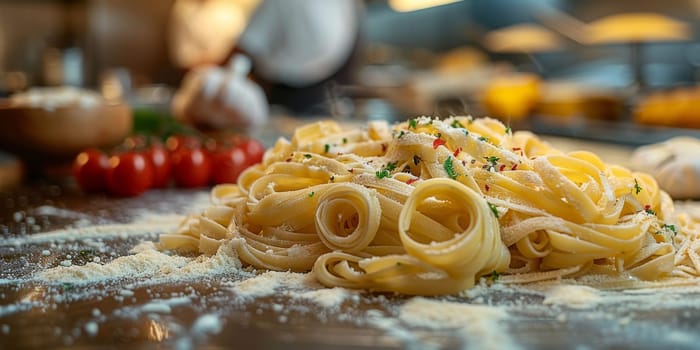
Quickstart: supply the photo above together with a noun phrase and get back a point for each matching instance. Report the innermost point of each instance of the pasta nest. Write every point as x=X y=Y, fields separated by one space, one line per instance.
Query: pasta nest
x=430 y=206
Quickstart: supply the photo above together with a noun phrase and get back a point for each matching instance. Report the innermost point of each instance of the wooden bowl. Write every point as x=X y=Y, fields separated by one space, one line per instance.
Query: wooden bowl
x=56 y=134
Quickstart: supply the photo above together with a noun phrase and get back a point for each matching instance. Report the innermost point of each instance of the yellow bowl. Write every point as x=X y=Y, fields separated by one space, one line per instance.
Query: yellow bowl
x=60 y=133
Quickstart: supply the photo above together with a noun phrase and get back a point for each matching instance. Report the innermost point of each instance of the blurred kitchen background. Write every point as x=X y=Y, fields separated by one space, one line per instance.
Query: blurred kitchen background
x=443 y=54
x=612 y=71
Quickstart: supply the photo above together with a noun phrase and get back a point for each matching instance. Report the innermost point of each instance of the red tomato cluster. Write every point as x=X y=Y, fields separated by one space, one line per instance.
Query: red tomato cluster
x=141 y=163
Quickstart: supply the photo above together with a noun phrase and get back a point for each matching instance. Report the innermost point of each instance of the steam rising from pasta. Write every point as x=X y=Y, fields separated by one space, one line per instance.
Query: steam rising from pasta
x=429 y=206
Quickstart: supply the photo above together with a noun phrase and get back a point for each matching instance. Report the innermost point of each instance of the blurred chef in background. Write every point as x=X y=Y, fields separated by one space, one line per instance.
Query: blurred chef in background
x=294 y=48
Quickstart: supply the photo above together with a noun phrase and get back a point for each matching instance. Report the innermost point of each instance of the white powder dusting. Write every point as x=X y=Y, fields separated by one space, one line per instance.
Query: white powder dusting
x=14 y=308
x=167 y=220
x=479 y=325
x=579 y=297
x=122 y=231
x=393 y=328
x=91 y=328
x=126 y=293
x=268 y=283
x=48 y=210
x=146 y=262
x=208 y=324
x=329 y=298
x=157 y=307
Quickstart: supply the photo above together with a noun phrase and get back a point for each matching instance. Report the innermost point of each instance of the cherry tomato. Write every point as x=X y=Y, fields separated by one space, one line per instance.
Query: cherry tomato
x=160 y=159
x=253 y=149
x=129 y=174
x=90 y=170
x=228 y=165
x=176 y=142
x=191 y=167
x=133 y=143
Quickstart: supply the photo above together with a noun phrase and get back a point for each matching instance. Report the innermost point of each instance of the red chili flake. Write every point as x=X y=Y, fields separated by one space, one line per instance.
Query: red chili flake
x=340 y=153
x=516 y=149
x=464 y=163
x=456 y=153
x=384 y=146
x=647 y=207
x=288 y=160
x=514 y=167
x=503 y=166
x=438 y=142
x=411 y=180
x=351 y=170
x=486 y=187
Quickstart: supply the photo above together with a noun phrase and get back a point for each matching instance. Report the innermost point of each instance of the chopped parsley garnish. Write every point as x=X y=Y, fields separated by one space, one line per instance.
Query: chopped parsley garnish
x=307 y=156
x=508 y=130
x=382 y=174
x=386 y=171
x=637 y=188
x=648 y=210
x=401 y=134
x=412 y=124
x=493 y=208
x=86 y=252
x=483 y=138
x=326 y=148
x=493 y=160
x=493 y=276
x=345 y=140
x=670 y=227
x=449 y=168
x=311 y=194
x=457 y=124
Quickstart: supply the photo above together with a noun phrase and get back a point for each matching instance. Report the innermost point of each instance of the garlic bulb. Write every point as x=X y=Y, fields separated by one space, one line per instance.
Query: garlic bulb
x=221 y=97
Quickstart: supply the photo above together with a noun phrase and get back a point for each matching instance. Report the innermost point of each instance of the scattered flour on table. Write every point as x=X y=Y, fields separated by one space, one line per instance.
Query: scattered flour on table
x=156 y=308
x=91 y=328
x=48 y=210
x=579 y=297
x=478 y=325
x=268 y=283
x=121 y=231
x=206 y=325
x=329 y=298
x=145 y=261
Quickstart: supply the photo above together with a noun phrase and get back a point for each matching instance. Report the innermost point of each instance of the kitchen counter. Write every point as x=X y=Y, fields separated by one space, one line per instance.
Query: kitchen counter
x=212 y=310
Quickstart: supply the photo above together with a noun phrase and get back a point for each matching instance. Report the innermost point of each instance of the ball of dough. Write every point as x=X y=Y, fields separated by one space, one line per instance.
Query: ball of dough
x=675 y=164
